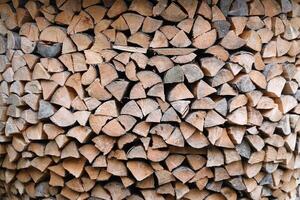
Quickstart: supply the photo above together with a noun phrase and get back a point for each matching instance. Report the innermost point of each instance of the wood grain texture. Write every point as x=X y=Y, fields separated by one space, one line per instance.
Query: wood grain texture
x=149 y=99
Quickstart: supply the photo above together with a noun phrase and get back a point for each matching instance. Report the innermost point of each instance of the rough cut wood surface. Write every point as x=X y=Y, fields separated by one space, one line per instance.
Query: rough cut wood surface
x=149 y=99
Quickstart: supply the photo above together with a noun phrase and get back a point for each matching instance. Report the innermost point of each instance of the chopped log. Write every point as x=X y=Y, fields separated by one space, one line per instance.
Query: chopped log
x=180 y=40
x=174 y=51
x=82 y=41
x=97 y=12
x=130 y=49
x=253 y=40
x=274 y=8
x=142 y=7
x=169 y=31
x=148 y=78
x=140 y=39
x=214 y=134
x=214 y=157
x=217 y=14
x=118 y=89
x=151 y=24
x=212 y=118
x=192 y=72
x=256 y=8
x=27 y=46
x=174 y=75
x=113 y=128
x=238 y=8
x=197 y=140
x=270 y=49
x=46 y=110
x=74 y=166
x=275 y=86
x=204 y=24
x=63 y=117
x=80 y=23
x=205 y=10
x=283 y=46
x=180 y=91
x=222 y=27
x=134 y=21
x=205 y=40
x=81 y=133
x=120 y=24
x=184 y=58
x=101 y=42
x=162 y=63
x=239 y=24
x=48 y=51
x=70 y=150
x=139 y=170
x=13 y=40
x=173 y=13
x=183 y=174
x=211 y=65
x=35 y=132
x=53 y=34
x=231 y=41
x=155 y=99
x=202 y=89
x=159 y=40
x=239 y=116
x=116 y=167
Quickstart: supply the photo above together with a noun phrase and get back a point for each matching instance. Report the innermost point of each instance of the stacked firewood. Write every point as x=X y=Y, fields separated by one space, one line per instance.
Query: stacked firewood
x=140 y=99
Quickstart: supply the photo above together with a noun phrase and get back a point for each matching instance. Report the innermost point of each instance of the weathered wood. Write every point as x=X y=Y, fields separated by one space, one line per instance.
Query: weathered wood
x=152 y=99
x=174 y=51
x=63 y=117
x=48 y=51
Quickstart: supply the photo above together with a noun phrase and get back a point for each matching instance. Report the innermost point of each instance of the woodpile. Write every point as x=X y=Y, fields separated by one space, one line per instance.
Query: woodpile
x=140 y=99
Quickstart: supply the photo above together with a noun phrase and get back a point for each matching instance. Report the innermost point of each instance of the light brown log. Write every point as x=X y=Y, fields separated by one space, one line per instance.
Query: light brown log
x=238 y=116
x=214 y=157
x=134 y=21
x=113 y=128
x=74 y=166
x=180 y=91
x=141 y=39
x=180 y=40
x=159 y=40
x=70 y=151
x=211 y=65
x=35 y=132
x=53 y=34
x=202 y=89
x=173 y=13
x=80 y=23
x=183 y=174
x=151 y=25
x=232 y=41
x=63 y=117
x=140 y=170
x=101 y=140
x=148 y=78
x=174 y=51
x=205 y=40
x=252 y=40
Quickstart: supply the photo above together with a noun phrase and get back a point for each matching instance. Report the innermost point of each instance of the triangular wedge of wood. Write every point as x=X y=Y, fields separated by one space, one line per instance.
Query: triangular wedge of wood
x=149 y=99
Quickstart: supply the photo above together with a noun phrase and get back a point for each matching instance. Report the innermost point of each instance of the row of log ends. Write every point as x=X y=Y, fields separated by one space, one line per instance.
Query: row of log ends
x=154 y=100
